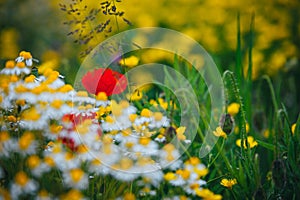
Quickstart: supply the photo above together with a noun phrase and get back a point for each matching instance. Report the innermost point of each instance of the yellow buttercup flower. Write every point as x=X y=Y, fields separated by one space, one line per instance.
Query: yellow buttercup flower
x=219 y=132
x=146 y=113
x=251 y=142
x=293 y=128
x=131 y=61
x=233 y=109
x=180 y=133
x=135 y=96
x=228 y=182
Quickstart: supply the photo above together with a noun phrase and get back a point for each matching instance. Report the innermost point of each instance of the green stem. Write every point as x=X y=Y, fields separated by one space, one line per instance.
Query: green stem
x=212 y=180
x=233 y=194
x=184 y=149
x=273 y=96
x=223 y=142
x=242 y=108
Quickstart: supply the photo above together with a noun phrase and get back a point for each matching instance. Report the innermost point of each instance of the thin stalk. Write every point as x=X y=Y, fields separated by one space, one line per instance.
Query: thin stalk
x=222 y=146
x=239 y=69
x=184 y=149
x=274 y=101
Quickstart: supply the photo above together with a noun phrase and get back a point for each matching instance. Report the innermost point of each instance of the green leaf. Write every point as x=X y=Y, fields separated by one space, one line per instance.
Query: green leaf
x=266 y=145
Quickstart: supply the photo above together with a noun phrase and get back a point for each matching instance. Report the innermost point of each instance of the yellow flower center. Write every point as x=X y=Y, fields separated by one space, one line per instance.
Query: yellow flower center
x=109 y=119
x=30 y=79
x=26 y=55
x=129 y=196
x=158 y=116
x=33 y=161
x=124 y=104
x=76 y=174
x=43 y=193
x=65 y=88
x=25 y=140
x=129 y=145
x=20 y=89
x=144 y=141
x=10 y=64
x=185 y=174
x=96 y=162
x=146 y=113
x=21 y=179
x=169 y=147
x=14 y=78
x=82 y=94
x=4 y=136
x=49 y=161
x=11 y=118
x=101 y=96
x=72 y=195
x=20 y=64
x=30 y=115
x=82 y=149
x=55 y=128
x=39 y=89
x=57 y=103
x=20 y=102
x=126 y=163
x=170 y=176
x=132 y=117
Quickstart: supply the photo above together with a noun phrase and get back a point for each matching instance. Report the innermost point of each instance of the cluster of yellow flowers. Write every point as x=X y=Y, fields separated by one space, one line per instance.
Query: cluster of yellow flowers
x=214 y=25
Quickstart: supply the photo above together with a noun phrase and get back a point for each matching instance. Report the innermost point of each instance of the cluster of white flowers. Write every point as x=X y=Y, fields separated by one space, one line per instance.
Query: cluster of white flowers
x=52 y=126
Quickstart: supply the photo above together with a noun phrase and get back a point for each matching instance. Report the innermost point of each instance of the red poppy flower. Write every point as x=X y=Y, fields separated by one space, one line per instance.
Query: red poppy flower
x=104 y=80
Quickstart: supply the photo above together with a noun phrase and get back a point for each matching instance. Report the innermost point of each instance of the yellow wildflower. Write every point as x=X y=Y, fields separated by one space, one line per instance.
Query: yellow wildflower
x=293 y=128
x=219 y=132
x=180 y=133
x=135 y=96
x=146 y=113
x=131 y=61
x=233 y=109
x=251 y=142
x=206 y=194
x=228 y=182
